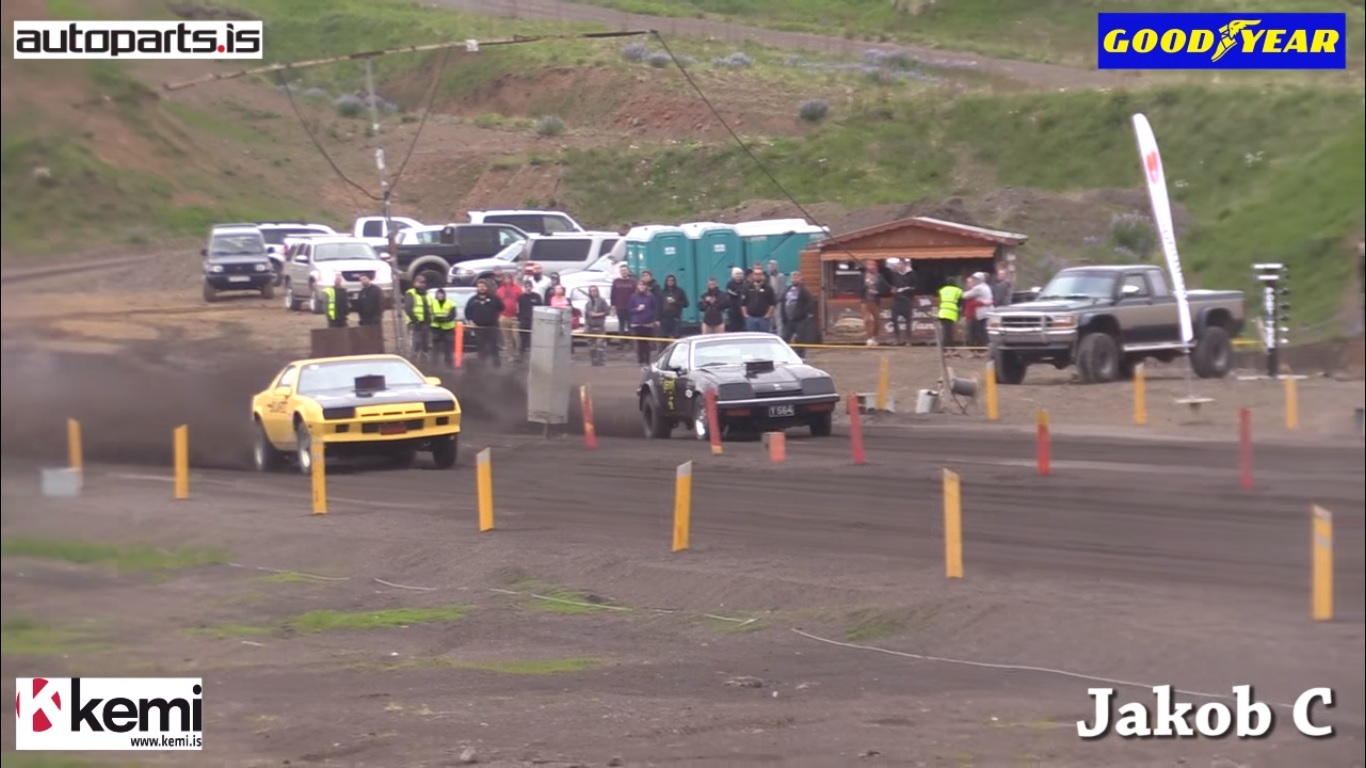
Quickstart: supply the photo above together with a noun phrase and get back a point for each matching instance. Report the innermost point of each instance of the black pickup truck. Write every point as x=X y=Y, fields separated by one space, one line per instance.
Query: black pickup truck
x=431 y=251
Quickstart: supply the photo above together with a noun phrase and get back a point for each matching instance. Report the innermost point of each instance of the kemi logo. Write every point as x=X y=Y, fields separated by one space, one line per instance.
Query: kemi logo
x=1221 y=41
x=108 y=713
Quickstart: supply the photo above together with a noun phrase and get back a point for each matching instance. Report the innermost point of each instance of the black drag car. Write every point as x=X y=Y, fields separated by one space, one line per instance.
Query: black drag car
x=760 y=385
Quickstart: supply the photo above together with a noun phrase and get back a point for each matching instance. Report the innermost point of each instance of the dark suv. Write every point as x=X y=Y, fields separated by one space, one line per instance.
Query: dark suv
x=236 y=260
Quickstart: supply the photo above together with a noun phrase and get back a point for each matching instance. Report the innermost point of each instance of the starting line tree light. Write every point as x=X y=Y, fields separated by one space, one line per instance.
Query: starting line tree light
x=1275 y=312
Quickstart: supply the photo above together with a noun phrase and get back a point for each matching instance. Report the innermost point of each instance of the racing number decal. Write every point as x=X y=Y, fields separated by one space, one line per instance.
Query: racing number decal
x=669 y=387
x=278 y=406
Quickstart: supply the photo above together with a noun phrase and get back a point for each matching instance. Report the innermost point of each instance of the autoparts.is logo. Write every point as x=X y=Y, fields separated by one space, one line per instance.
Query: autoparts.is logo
x=139 y=39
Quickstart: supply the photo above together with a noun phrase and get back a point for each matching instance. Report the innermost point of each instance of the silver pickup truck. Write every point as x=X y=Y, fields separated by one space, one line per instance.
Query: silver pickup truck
x=1104 y=320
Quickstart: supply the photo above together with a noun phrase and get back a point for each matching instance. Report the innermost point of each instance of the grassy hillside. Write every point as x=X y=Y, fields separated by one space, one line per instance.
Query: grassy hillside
x=1061 y=31
x=1265 y=176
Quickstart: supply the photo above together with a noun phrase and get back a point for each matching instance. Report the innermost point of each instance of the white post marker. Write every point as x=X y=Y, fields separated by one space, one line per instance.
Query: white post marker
x=1171 y=719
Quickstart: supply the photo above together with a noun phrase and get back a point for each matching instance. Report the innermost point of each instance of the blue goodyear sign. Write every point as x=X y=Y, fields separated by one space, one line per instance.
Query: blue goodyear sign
x=1221 y=41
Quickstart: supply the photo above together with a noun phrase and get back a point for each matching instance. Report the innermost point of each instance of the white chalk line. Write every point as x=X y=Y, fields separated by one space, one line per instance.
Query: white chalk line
x=291 y=573
x=533 y=595
x=1024 y=668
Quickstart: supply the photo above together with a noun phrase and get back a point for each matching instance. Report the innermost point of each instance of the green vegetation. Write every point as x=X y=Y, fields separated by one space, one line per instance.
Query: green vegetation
x=329 y=621
x=135 y=558
x=536 y=667
x=21 y=637
x=551 y=599
x=289 y=577
x=867 y=625
x=1267 y=175
x=1047 y=30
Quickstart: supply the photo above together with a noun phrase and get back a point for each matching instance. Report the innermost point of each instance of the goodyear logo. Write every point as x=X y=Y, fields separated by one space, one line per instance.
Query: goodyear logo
x=1221 y=41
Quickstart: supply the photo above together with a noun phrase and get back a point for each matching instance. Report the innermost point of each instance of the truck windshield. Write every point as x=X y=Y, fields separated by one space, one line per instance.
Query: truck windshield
x=237 y=245
x=1079 y=285
x=338 y=377
x=340 y=251
x=741 y=351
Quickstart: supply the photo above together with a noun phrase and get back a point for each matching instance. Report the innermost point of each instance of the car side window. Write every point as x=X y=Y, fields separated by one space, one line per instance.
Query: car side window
x=555 y=224
x=288 y=378
x=507 y=237
x=372 y=229
x=1159 y=284
x=301 y=253
x=677 y=357
x=1135 y=285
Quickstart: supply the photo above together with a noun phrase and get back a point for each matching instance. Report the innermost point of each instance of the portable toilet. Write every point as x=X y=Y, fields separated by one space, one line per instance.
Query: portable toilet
x=717 y=249
x=781 y=240
x=663 y=250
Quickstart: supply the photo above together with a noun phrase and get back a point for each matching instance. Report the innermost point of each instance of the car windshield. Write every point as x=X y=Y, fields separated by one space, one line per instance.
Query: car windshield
x=340 y=251
x=237 y=245
x=341 y=376
x=741 y=351
x=1079 y=285
x=510 y=252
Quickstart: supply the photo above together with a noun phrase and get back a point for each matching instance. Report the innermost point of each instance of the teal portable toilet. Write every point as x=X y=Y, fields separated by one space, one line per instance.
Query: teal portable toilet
x=781 y=240
x=717 y=249
x=664 y=250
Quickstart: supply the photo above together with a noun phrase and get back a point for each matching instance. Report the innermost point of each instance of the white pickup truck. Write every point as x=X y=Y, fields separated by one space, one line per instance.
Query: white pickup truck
x=375 y=229
x=530 y=221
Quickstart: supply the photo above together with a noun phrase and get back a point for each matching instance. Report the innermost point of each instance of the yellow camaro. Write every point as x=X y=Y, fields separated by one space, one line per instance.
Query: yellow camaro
x=365 y=403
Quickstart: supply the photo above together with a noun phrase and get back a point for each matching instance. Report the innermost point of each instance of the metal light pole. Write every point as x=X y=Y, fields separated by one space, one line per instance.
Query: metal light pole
x=1274 y=312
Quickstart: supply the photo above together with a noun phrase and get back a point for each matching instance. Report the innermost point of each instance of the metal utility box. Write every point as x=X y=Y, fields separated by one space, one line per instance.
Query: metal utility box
x=780 y=240
x=717 y=249
x=551 y=376
x=344 y=342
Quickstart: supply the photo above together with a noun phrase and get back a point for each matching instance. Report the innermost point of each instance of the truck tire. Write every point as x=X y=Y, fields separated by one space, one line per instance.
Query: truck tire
x=1010 y=367
x=1098 y=358
x=268 y=291
x=210 y=294
x=435 y=278
x=1213 y=354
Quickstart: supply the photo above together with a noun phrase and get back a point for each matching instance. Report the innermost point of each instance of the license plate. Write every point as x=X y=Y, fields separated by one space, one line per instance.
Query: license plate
x=392 y=429
x=239 y=279
x=779 y=411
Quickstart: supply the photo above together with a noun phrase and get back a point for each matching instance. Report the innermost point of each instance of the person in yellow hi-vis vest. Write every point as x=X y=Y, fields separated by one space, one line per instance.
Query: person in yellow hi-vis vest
x=949 y=297
x=443 y=329
x=417 y=306
x=338 y=303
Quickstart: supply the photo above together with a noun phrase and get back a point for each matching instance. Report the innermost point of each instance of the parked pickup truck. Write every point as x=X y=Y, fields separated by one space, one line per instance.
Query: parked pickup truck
x=1104 y=320
x=431 y=251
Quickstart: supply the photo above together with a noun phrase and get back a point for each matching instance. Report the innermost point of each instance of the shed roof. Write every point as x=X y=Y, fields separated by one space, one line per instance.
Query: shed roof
x=996 y=237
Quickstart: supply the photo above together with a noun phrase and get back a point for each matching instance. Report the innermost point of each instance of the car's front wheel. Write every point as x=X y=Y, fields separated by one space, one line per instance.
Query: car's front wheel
x=656 y=426
x=446 y=451
x=701 y=421
x=304 y=452
x=265 y=457
x=821 y=424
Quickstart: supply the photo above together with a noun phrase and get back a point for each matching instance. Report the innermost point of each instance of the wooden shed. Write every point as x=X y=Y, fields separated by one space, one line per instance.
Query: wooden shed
x=938 y=250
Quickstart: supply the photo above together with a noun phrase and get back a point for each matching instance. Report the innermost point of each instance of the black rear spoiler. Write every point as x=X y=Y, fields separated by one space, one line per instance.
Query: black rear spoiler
x=369 y=385
x=756 y=367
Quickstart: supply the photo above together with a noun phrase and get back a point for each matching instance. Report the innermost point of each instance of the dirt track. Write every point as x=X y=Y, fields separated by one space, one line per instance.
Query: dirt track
x=1139 y=560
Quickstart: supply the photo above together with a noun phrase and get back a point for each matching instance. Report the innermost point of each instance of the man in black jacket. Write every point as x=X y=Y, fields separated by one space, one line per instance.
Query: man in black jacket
x=799 y=314
x=369 y=302
x=759 y=303
x=735 y=301
x=482 y=311
x=903 y=302
x=526 y=309
x=713 y=304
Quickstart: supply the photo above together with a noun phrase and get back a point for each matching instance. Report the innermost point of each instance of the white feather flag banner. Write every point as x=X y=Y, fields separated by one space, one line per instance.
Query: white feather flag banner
x=1153 y=173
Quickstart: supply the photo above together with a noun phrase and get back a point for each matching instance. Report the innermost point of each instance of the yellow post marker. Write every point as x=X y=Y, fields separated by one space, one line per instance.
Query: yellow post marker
x=75 y=454
x=318 y=454
x=1140 y=396
x=1322 y=598
x=993 y=405
x=484 y=479
x=953 y=526
x=884 y=377
x=1292 y=404
x=182 y=461
x=682 y=506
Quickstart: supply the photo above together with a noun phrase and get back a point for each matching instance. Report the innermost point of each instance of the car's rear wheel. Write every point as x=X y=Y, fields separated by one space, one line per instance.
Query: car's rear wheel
x=655 y=425
x=821 y=424
x=265 y=457
x=303 y=454
x=445 y=451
